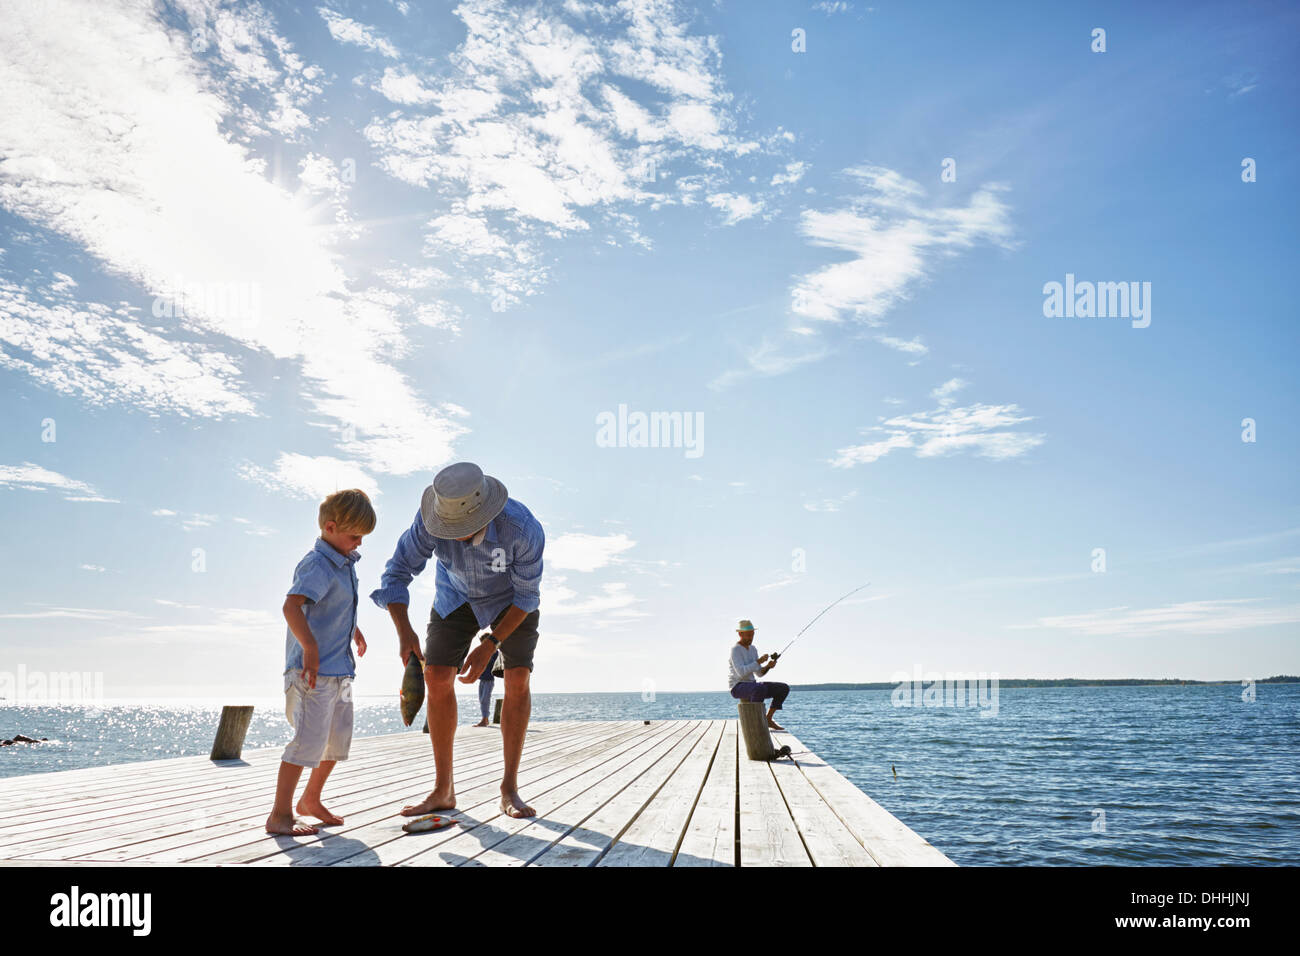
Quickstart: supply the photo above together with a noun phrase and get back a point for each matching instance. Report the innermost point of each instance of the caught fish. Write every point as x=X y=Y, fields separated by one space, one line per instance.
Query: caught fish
x=412 y=694
x=427 y=824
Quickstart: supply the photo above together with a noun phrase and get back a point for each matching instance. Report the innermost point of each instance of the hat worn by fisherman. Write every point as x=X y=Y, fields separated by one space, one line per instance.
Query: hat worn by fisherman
x=461 y=501
x=744 y=626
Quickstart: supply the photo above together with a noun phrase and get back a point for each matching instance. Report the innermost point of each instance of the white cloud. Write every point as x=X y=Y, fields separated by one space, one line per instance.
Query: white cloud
x=1189 y=617
x=910 y=346
x=554 y=116
x=105 y=355
x=30 y=477
x=349 y=31
x=830 y=504
x=736 y=207
x=892 y=239
x=614 y=604
x=405 y=88
x=986 y=430
x=160 y=196
x=304 y=476
x=585 y=552
x=793 y=173
x=943 y=394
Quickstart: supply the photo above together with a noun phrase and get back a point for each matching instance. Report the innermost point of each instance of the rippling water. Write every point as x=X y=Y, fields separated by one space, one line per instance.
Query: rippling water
x=1187 y=776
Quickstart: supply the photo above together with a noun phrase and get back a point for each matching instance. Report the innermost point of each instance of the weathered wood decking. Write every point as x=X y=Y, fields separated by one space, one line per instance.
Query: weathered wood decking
x=624 y=793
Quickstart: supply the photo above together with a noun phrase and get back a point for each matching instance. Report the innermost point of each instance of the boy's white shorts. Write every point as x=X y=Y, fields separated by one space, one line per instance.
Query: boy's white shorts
x=321 y=718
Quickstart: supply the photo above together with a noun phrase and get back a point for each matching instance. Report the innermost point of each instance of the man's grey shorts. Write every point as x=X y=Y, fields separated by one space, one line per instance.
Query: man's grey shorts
x=449 y=639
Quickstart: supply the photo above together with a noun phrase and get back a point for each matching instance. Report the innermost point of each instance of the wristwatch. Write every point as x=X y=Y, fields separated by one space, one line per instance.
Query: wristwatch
x=489 y=636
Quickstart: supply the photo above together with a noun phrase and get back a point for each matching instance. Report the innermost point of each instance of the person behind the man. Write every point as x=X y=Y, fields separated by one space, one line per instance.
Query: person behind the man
x=489 y=556
x=486 y=681
x=746 y=666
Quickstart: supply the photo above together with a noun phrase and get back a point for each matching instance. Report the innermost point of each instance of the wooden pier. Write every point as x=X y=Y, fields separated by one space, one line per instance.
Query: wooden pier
x=607 y=793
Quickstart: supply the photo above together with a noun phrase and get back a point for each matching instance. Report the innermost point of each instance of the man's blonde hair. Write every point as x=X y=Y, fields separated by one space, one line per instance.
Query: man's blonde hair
x=350 y=511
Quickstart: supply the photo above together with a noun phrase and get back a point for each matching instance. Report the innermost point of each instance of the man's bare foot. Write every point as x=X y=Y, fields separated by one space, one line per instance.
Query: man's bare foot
x=773 y=725
x=285 y=825
x=512 y=805
x=438 y=800
x=314 y=808
x=482 y=723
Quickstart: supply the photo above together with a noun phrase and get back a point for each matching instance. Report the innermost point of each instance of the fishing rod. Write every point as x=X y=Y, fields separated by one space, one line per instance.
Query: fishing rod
x=777 y=655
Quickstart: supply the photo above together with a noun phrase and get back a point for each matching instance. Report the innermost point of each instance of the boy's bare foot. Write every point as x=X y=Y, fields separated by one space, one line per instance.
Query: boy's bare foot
x=438 y=800
x=314 y=808
x=285 y=825
x=482 y=723
x=512 y=805
x=772 y=724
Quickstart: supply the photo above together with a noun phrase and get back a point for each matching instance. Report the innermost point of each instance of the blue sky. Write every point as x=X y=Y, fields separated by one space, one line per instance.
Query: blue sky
x=253 y=253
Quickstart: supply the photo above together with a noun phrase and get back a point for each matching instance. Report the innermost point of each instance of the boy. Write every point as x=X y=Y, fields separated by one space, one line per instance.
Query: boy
x=321 y=611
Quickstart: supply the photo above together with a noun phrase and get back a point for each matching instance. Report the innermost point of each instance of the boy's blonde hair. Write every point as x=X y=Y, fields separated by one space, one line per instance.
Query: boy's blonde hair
x=350 y=511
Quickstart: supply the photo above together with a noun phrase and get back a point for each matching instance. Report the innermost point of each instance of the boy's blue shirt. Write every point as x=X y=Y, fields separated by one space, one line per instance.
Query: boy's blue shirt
x=328 y=580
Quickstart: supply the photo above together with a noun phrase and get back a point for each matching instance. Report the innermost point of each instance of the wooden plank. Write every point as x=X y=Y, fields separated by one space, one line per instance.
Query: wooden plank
x=828 y=841
x=378 y=799
x=538 y=835
x=146 y=832
x=167 y=775
x=710 y=838
x=583 y=843
x=223 y=791
x=498 y=840
x=653 y=837
x=886 y=838
x=768 y=836
x=382 y=842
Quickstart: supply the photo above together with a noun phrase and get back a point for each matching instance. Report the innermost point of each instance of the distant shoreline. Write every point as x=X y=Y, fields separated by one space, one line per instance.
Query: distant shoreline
x=1013 y=682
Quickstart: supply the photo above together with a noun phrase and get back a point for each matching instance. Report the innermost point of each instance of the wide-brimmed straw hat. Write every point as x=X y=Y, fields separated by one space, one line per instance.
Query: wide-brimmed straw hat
x=461 y=501
x=744 y=626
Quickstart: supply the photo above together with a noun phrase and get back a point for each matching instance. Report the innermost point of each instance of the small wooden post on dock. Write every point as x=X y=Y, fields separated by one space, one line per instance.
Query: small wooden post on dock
x=753 y=727
x=229 y=743
x=496 y=711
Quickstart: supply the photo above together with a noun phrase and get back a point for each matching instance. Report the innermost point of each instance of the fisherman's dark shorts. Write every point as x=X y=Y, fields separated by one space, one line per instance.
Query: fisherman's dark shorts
x=759 y=691
x=447 y=644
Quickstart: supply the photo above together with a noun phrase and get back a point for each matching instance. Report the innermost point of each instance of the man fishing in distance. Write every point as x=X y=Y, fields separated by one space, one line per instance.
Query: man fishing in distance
x=746 y=666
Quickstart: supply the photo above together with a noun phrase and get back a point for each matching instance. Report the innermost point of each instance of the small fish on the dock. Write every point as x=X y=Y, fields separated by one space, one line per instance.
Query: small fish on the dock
x=427 y=824
x=412 y=693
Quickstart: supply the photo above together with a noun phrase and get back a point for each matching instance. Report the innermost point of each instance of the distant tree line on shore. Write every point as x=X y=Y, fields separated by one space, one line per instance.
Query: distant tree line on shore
x=1063 y=682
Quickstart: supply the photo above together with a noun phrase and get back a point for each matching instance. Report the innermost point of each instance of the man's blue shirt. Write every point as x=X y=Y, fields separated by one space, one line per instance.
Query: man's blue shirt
x=328 y=580
x=504 y=569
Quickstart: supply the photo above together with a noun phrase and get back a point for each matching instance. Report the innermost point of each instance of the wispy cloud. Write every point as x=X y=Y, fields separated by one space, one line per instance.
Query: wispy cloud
x=892 y=238
x=310 y=477
x=554 y=118
x=985 y=430
x=586 y=552
x=30 y=477
x=1189 y=617
x=159 y=194
x=830 y=504
x=347 y=30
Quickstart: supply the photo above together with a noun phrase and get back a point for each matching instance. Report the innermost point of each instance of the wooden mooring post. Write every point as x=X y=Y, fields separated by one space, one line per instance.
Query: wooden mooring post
x=229 y=743
x=496 y=711
x=753 y=727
